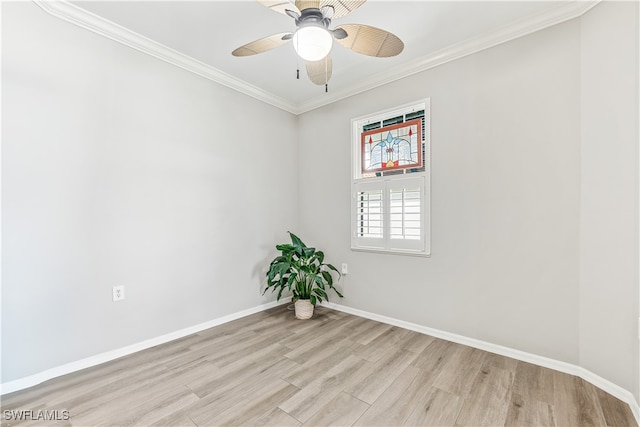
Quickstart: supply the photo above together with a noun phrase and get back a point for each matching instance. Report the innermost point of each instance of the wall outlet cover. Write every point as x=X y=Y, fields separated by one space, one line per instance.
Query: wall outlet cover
x=118 y=293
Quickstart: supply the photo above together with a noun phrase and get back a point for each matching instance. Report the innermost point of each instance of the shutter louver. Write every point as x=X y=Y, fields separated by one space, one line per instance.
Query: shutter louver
x=369 y=214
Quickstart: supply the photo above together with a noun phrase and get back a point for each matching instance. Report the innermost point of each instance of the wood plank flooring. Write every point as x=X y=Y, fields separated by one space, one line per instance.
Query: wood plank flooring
x=335 y=369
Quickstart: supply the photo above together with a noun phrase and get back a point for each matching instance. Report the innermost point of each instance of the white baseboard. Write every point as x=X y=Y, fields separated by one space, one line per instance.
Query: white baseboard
x=568 y=368
x=32 y=380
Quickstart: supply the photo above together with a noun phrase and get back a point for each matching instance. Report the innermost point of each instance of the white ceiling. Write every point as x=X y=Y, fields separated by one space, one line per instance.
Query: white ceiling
x=209 y=30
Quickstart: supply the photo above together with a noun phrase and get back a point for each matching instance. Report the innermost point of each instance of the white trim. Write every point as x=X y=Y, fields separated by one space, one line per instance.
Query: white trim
x=637 y=409
x=82 y=18
x=391 y=251
x=568 y=368
x=98 y=359
x=87 y=20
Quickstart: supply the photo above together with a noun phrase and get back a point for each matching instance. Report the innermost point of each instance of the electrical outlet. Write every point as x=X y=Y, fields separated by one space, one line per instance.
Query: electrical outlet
x=345 y=269
x=118 y=293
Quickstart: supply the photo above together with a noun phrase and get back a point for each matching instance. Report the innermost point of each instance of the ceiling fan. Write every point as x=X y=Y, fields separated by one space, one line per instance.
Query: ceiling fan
x=313 y=38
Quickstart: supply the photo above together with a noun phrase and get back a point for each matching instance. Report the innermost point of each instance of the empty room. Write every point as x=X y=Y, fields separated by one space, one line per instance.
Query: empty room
x=343 y=213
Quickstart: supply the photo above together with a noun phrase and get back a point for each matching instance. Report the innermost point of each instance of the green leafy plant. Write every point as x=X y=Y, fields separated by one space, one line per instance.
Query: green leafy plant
x=301 y=270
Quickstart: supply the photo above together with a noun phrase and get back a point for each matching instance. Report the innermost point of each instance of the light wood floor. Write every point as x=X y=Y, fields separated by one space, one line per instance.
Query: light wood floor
x=336 y=369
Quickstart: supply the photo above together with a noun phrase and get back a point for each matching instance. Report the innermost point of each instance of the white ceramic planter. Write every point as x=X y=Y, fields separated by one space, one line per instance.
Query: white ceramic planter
x=304 y=309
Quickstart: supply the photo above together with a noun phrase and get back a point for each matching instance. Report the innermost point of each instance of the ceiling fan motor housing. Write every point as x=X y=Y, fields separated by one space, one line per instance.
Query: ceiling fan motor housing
x=312 y=40
x=313 y=15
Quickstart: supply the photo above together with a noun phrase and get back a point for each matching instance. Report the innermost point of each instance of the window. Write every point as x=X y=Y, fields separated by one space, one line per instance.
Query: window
x=390 y=188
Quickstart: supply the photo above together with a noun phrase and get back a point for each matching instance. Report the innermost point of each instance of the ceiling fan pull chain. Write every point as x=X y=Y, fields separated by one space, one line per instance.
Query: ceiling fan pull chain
x=297 y=61
x=326 y=74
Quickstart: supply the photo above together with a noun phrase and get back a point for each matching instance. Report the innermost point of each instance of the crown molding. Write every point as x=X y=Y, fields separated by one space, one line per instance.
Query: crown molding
x=92 y=22
x=85 y=19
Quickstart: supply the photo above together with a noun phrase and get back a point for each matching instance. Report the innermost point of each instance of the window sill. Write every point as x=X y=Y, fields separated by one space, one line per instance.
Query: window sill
x=392 y=251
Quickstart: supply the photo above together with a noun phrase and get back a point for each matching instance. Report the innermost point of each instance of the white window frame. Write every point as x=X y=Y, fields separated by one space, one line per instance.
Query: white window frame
x=385 y=184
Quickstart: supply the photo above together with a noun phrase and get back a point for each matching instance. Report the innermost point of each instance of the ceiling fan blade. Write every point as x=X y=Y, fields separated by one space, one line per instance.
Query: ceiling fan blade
x=280 y=6
x=342 y=7
x=306 y=4
x=370 y=41
x=319 y=72
x=262 y=45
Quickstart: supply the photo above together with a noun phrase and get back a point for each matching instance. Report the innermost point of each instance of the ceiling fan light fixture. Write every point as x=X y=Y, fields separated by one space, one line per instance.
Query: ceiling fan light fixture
x=312 y=43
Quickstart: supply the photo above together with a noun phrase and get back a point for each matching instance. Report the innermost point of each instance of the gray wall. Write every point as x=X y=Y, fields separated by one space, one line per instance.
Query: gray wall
x=118 y=168
x=505 y=199
x=609 y=209
x=517 y=195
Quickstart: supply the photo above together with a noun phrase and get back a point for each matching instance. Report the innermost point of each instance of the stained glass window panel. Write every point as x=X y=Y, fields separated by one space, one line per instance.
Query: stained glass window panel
x=393 y=147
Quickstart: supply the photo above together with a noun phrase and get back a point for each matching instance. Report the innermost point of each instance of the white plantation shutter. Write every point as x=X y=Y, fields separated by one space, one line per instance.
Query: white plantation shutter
x=368 y=221
x=370 y=214
x=389 y=214
x=406 y=213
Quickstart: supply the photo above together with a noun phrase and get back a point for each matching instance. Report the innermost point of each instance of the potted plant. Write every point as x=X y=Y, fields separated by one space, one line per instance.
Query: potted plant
x=302 y=271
